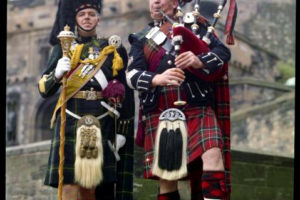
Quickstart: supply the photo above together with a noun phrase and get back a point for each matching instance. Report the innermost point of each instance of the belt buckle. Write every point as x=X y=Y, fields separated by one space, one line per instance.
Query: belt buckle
x=90 y=95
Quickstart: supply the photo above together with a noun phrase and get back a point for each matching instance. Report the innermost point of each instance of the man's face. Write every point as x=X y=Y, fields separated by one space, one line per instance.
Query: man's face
x=167 y=6
x=87 y=18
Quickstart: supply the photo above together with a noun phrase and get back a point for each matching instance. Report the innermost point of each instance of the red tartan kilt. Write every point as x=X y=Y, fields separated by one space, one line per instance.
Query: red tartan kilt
x=203 y=133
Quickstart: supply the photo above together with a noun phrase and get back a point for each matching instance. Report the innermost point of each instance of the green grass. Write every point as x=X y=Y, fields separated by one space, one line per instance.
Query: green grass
x=145 y=189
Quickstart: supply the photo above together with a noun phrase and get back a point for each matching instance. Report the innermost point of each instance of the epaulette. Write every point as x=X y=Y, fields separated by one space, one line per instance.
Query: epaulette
x=138 y=36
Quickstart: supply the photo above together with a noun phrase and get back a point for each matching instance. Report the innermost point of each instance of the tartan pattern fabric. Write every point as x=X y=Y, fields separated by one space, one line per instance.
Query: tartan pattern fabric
x=51 y=178
x=221 y=106
x=230 y=22
x=213 y=184
x=124 y=185
x=168 y=95
x=169 y=196
x=80 y=107
x=222 y=110
x=203 y=134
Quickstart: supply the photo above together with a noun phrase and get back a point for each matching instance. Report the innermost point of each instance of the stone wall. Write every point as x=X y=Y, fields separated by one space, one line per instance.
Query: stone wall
x=269 y=24
x=25 y=169
x=261 y=176
x=268 y=127
x=254 y=175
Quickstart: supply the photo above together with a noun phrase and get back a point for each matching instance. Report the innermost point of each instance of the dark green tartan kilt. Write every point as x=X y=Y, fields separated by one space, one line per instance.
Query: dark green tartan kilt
x=80 y=107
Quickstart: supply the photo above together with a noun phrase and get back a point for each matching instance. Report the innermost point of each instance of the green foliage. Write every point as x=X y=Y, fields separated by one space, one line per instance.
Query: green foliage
x=287 y=70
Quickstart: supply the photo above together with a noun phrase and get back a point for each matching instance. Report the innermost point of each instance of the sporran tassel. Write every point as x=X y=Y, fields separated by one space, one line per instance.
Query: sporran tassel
x=89 y=152
x=162 y=160
x=170 y=149
x=178 y=150
x=170 y=146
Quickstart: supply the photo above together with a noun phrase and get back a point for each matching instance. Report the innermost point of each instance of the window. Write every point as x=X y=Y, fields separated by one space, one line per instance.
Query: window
x=12 y=106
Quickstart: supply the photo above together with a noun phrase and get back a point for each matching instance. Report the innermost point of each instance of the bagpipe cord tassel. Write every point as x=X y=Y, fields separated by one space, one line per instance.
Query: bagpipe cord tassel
x=230 y=22
x=230 y=39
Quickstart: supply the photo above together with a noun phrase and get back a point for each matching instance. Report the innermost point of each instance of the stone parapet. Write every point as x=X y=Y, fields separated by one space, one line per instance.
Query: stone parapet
x=254 y=175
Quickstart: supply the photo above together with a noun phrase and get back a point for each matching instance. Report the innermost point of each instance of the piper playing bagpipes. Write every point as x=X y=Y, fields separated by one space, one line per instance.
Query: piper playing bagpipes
x=91 y=153
x=179 y=66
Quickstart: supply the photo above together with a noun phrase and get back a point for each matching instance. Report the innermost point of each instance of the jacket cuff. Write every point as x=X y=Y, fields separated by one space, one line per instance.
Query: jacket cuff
x=47 y=82
x=211 y=61
x=144 y=81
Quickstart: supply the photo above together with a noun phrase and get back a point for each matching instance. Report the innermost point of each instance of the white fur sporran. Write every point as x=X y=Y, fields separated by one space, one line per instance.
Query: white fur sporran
x=170 y=159
x=89 y=152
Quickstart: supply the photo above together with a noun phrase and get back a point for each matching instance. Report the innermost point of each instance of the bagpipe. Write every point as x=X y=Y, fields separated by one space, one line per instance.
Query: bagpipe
x=170 y=160
x=186 y=40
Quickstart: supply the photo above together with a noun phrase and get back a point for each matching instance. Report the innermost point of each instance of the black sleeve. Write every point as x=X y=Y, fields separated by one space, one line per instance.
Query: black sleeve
x=218 y=55
x=47 y=85
x=123 y=53
x=138 y=77
x=127 y=109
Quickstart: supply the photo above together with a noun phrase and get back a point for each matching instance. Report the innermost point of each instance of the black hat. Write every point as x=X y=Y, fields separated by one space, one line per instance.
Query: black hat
x=83 y=4
x=66 y=13
x=183 y=2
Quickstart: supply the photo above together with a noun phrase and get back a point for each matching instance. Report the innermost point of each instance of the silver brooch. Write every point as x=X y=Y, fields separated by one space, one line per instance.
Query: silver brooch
x=115 y=41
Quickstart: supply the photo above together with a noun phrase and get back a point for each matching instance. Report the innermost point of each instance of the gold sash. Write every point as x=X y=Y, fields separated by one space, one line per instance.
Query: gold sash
x=75 y=82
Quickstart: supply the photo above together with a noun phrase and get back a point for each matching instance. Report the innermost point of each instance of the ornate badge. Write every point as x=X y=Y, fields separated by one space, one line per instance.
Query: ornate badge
x=89 y=152
x=115 y=40
x=88 y=126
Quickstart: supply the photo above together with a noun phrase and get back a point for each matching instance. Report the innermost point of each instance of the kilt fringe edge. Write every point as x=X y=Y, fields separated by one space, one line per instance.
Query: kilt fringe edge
x=164 y=173
x=88 y=172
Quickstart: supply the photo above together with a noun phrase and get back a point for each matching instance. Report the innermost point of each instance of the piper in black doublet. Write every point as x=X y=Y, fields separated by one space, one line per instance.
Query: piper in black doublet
x=152 y=54
x=140 y=76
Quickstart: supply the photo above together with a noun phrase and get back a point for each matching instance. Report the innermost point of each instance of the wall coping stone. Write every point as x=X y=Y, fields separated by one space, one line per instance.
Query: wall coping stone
x=238 y=154
x=262 y=157
x=43 y=146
